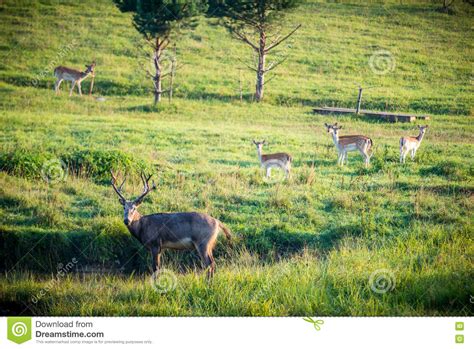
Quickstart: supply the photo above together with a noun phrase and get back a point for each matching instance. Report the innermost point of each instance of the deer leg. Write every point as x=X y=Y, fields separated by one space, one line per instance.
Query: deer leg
x=155 y=260
x=207 y=259
x=72 y=88
x=269 y=171
x=343 y=157
x=212 y=267
x=403 y=155
x=56 y=85
x=79 y=88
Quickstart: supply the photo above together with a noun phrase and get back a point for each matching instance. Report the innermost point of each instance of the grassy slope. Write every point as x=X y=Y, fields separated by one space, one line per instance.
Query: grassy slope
x=413 y=220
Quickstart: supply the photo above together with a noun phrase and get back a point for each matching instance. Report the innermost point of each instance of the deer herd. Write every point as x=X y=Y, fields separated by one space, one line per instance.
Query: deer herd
x=199 y=231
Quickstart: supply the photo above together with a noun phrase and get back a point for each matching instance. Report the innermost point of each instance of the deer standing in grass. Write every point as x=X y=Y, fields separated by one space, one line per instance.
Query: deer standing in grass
x=278 y=160
x=345 y=144
x=75 y=76
x=177 y=231
x=411 y=144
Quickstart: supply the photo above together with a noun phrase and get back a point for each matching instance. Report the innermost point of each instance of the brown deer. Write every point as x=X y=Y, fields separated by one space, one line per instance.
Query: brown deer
x=177 y=231
x=411 y=144
x=75 y=76
x=278 y=160
x=345 y=144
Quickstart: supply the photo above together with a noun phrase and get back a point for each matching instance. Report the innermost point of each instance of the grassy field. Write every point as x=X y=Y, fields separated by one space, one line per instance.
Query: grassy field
x=388 y=240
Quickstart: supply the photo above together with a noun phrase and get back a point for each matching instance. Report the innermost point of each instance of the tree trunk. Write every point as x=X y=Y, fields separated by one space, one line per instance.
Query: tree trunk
x=158 y=72
x=261 y=67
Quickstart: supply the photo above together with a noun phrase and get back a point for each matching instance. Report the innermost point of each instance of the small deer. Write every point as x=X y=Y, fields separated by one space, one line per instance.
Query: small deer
x=177 y=231
x=278 y=160
x=411 y=144
x=345 y=144
x=75 y=76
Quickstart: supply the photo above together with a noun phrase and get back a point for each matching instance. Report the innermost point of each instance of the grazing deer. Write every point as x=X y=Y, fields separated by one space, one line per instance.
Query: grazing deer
x=178 y=231
x=350 y=143
x=411 y=144
x=75 y=76
x=267 y=161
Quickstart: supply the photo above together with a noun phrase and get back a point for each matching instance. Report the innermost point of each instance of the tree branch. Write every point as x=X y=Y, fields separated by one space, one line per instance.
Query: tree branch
x=275 y=64
x=243 y=38
x=278 y=42
x=247 y=65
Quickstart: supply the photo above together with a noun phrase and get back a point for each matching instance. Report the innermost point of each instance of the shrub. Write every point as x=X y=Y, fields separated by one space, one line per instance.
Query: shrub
x=94 y=164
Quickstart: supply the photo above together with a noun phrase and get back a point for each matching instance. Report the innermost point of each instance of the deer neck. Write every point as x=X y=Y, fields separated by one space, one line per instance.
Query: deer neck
x=335 y=138
x=134 y=227
x=420 y=137
x=259 y=153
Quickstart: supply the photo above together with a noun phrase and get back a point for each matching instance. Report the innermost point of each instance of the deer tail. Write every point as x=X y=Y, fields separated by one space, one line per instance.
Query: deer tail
x=402 y=142
x=225 y=230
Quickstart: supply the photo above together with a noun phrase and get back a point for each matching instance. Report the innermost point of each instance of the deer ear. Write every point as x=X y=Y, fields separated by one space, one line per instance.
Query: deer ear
x=339 y=128
x=325 y=124
x=253 y=140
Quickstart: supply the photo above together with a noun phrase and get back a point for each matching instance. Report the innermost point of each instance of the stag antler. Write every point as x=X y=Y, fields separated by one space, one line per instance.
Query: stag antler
x=119 y=189
x=146 y=187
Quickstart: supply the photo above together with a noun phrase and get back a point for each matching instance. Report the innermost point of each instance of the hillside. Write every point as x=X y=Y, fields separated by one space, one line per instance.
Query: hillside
x=327 y=58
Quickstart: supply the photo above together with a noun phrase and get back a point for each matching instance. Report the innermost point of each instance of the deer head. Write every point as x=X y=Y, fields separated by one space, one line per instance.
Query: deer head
x=423 y=129
x=130 y=212
x=90 y=68
x=332 y=128
x=260 y=145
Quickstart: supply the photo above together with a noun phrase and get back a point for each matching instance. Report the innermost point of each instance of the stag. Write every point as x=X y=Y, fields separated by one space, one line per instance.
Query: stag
x=177 y=231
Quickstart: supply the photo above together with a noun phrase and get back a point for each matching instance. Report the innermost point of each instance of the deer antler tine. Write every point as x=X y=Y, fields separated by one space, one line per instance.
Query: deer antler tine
x=121 y=185
x=113 y=181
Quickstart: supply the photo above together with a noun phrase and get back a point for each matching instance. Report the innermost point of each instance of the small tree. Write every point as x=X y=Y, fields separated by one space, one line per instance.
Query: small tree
x=254 y=23
x=157 y=21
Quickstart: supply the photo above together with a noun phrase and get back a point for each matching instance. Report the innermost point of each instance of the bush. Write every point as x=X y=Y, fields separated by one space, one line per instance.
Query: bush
x=94 y=164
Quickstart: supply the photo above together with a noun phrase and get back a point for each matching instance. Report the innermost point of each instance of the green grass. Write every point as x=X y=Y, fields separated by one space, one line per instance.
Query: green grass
x=304 y=246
